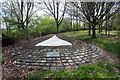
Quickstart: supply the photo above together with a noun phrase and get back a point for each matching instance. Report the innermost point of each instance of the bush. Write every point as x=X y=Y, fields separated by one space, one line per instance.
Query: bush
x=47 y=29
x=7 y=40
x=65 y=25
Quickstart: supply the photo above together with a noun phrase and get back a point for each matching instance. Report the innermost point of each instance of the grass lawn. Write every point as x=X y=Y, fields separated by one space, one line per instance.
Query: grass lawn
x=111 y=44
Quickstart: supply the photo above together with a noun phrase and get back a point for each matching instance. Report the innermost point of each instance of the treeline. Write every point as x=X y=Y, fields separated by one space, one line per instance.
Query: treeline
x=22 y=22
x=38 y=26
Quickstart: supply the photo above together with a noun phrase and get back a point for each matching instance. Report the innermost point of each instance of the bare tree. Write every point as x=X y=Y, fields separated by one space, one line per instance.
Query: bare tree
x=70 y=12
x=54 y=8
x=22 y=12
x=95 y=12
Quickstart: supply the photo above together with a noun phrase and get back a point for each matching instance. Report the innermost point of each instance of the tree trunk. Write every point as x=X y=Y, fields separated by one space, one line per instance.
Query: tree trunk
x=105 y=31
x=22 y=23
x=57 y=20
x=27 y=18
x=109 y=33
x=84 y=26
x=89 y=29
x=27 y=23
x=71 y=22
x=106 y=28
x=99 y=28
x=57 y=26
x=74 y=28
x=73 y=25
x=93 y=31
x=77 y=23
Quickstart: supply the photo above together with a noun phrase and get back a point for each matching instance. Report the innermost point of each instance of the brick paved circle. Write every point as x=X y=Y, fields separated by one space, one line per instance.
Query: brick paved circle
x=68 y=58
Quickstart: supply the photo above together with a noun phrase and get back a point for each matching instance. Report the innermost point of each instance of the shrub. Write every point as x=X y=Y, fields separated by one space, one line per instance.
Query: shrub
x=7 y=40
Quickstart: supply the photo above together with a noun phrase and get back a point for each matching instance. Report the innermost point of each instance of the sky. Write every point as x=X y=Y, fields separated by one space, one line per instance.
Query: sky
x=68 y=0
x=39 y=12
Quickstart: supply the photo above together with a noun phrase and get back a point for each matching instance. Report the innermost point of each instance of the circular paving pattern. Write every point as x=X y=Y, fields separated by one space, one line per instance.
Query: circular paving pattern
x=68 y=57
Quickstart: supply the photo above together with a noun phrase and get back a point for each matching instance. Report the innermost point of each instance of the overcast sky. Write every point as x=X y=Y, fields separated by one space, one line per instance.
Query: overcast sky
x=68 y=0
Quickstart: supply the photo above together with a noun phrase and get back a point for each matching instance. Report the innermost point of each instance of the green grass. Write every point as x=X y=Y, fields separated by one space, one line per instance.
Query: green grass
x=85 y=32
x=99 y=70
x=107 y=43
x=2 y=59
x=111 y=44
x=38 y=75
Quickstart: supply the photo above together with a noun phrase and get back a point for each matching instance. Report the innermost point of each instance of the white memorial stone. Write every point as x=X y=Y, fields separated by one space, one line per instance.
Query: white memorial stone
x=54 y=41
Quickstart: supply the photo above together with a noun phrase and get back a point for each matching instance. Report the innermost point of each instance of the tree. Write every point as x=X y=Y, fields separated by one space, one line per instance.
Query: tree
x=20 y=12
x=70 y=12
x=89 y=25
x=95 y=12
x=116 y=22
x=54 y=8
